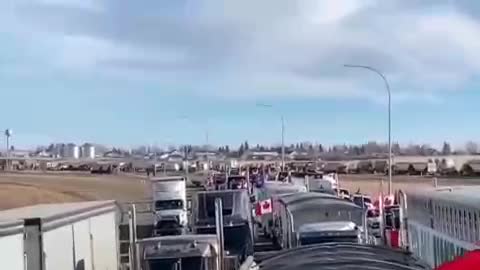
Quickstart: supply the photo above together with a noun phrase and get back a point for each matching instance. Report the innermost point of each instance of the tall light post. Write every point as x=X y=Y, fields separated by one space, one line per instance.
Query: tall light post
x=8 y=134
x=283 y=132
x=387 y=86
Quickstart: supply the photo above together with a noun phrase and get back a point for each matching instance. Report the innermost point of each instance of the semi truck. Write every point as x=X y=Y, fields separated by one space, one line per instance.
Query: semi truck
x=169 y=205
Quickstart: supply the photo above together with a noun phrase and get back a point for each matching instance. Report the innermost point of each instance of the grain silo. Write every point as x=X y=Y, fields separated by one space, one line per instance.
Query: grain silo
x=72 y=151
x=88 y=151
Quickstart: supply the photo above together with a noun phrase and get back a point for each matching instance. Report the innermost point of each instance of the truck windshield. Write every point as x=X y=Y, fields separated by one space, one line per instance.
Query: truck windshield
x=194 y=263
x=207 y=205
x=169 y=205
x=358 y=200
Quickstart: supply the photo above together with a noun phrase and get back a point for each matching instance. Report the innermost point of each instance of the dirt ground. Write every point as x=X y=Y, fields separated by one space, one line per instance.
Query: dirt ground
x=371 y=184
x=21 y=189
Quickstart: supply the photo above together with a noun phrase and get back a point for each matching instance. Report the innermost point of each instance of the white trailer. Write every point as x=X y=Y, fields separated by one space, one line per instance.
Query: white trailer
x=69 y=235
x=11 y=245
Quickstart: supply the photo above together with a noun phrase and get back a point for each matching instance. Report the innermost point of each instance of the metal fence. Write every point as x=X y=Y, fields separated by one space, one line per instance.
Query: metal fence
x=434 y=247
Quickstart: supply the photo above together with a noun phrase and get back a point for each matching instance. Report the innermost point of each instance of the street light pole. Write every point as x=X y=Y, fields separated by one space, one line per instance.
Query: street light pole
x=387 y=86
x=283 y=144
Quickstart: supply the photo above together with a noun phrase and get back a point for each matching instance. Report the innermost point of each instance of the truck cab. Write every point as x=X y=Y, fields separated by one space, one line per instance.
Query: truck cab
x=181 y=252
x=220 y=181
x=329 y=232
x=169 y=205
x=237 y=182
x=237 y=218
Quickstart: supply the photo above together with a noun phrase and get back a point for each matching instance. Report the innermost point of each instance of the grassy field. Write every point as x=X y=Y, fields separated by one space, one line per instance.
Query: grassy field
x=21 y=189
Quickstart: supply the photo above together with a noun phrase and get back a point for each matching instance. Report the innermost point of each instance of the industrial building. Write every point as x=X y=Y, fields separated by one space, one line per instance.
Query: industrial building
x=87 y=151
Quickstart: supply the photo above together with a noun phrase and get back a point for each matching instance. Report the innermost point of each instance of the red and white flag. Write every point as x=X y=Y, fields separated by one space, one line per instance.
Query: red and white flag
x=389 y=200
x=264 y=207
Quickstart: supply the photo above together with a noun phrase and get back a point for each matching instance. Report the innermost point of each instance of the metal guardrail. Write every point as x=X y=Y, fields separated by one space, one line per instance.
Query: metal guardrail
x=143 y=207
x=434 y=247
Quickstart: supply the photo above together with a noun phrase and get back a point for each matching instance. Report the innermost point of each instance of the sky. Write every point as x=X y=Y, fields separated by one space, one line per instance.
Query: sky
x=168 y=72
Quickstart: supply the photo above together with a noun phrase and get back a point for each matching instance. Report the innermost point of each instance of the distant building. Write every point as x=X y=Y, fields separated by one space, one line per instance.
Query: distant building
x=173 y=156
x=87 y=151
x=260 y=155
x=19 y=153
x=58 y=150
x=205 y=155
x=71 y=150
x=43 y=153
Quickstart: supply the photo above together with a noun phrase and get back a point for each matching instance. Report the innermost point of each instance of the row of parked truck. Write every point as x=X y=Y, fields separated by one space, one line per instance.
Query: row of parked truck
x=212 y=230
x=196 y=218
x=320 y=210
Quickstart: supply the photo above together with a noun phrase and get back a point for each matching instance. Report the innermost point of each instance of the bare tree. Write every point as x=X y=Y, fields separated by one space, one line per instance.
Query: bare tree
x=471 y=147
x=446 y=150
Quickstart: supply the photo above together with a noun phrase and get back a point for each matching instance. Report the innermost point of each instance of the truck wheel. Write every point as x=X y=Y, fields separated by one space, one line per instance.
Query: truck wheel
x=248 y=249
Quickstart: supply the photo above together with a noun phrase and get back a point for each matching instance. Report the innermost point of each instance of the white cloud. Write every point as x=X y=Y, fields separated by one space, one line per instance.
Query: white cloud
x=269 y=48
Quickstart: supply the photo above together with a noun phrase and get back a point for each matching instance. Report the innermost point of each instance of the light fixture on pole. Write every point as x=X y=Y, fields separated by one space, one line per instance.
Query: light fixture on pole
x=387 y=86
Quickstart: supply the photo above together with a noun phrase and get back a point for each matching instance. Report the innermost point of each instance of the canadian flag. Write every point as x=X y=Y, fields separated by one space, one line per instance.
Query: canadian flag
x=389 y=200
x=264 y=207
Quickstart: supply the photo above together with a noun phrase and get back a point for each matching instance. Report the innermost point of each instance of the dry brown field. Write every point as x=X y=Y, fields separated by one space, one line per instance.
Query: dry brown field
x=27 y=188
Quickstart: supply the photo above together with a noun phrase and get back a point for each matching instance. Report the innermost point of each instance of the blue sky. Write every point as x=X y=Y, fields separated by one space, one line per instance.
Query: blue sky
x=164 y=72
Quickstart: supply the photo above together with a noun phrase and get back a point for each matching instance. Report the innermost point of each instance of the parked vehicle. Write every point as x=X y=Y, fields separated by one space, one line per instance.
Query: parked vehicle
x=342 y=193
x=237 y=182
x=342 y=256
x=362 y=200
x=186 y=252
x=220 y=181
x=79 y=235
x=272 y=190
x=303 y=219
x=237 y=218
x=169 y=204
x=12 y=244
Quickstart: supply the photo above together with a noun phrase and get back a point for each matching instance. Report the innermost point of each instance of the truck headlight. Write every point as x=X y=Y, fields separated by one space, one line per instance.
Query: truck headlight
x=183 y=218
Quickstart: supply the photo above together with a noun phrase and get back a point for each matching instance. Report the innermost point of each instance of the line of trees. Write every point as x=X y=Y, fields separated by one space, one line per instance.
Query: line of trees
x=340 y=150
x=370 y=148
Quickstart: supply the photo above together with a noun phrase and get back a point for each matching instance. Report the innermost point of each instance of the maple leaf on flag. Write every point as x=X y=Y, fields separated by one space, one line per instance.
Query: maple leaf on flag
x=266 y=205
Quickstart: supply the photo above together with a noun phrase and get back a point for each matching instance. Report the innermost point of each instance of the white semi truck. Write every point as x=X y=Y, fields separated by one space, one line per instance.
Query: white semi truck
x=169 y=205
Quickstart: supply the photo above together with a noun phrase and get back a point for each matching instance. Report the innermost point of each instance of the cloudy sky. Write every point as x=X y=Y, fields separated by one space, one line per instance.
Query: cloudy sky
x=132 y=72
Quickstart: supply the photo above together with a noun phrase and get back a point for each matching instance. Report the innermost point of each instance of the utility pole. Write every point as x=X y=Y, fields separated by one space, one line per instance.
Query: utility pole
x=186 y=162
